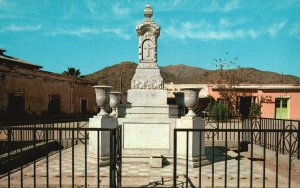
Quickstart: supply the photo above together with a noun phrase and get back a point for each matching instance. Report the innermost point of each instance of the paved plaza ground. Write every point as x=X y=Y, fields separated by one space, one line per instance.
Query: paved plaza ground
x=141 y=175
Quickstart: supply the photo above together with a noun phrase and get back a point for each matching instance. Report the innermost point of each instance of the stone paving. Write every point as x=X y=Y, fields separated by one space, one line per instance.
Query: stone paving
x=141 y=173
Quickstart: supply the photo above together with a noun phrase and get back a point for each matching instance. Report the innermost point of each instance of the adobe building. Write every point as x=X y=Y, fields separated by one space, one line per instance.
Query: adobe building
x=25 y=90
x=279 y=101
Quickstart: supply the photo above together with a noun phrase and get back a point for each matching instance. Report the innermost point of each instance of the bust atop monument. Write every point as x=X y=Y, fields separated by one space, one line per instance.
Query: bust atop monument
x=147 y=75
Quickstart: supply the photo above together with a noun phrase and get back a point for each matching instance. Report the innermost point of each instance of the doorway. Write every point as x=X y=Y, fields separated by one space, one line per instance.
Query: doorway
x=282 y=108
x=83 y=106
x=245 y=105
x=54 y=105
x=16 y=105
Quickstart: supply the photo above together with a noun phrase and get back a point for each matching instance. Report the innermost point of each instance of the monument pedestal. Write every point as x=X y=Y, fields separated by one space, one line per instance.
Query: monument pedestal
x=104 y=136
x=195 y=141
x=143 y=137
x=147 y=103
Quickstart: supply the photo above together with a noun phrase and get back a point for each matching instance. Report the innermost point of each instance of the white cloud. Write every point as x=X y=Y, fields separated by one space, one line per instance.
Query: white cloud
x=75 y=32
x=286 y=4
x=229 y=22
x=188 y=25
x=203 y=30
x=224 y=22
x=176 y=2
x=8 y=16
x=2 y=3
x=275 y=28
x=206 y=35
x=91 y=6
x=118 y=32
x=224 y=30
x=84 y=31
x=231 y=5
x=215 y=6
x=196 y=25
x=295 y=30
x=120 y=11
x=20 y=28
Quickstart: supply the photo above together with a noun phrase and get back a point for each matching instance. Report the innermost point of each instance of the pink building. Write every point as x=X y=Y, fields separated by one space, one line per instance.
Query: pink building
x=277 y=101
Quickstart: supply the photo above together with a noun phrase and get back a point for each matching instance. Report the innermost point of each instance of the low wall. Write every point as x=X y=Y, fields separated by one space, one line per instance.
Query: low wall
x=283 y=160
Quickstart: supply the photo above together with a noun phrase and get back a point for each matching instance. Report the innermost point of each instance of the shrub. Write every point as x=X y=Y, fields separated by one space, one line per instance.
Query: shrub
x=220 y=112
x=255 y=110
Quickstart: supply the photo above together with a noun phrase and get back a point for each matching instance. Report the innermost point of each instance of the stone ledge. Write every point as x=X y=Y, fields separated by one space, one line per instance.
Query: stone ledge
x=283 y=160
x=155 y=161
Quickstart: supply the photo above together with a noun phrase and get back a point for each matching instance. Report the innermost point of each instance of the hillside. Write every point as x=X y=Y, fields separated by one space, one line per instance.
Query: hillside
x=182 y=74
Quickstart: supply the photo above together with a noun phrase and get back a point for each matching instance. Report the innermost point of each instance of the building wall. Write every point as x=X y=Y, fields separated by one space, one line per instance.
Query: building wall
x=294 y=105
x=37 y=87
x=171 y=87
x=213 y=93
x=268 y=107
x=267 y=99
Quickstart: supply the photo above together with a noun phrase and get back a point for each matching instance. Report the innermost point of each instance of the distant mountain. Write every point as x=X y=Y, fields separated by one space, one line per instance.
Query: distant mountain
x=112 y=75
x=183 y=74
x=187 y=74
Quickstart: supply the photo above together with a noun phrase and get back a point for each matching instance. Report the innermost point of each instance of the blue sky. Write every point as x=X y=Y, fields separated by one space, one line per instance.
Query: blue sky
x=91 y=35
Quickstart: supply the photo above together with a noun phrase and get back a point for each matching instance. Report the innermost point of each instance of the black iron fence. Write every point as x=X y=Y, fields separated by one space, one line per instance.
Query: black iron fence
x=236 y=152
x=232 y=167
x=285 y=142
x=42 y=119
x=56 y=154
x=273 y=141
x=18 y=132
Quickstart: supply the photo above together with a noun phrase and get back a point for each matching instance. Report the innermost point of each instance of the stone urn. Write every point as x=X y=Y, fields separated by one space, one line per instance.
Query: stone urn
x=102 y=98
x=115 y=98
x=190 y=99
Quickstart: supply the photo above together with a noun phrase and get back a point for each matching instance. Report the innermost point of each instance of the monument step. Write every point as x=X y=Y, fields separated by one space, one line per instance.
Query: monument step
x=194 y=163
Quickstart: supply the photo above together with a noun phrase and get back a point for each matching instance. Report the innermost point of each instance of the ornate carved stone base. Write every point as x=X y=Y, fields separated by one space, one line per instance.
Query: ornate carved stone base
x=147 y=79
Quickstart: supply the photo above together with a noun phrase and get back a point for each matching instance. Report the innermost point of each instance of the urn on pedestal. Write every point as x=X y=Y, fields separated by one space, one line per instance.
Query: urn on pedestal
x=102 y=98
x=115 y=98
x=190 y=99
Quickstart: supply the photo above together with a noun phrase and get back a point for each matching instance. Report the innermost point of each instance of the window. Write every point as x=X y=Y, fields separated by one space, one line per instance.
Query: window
x=284 y=103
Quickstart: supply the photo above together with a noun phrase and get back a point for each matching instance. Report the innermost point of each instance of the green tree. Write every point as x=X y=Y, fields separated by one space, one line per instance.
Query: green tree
x=72 y=72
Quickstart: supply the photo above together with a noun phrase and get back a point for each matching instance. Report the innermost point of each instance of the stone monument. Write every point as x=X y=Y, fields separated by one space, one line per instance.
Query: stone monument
x=148 y=127
x=149 y=123
x=147 y=82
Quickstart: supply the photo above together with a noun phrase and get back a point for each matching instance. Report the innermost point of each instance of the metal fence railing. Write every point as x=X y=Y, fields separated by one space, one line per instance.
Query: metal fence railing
x=237 y=152
x=235 y=168
x=273 y=141
x=56 y=154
